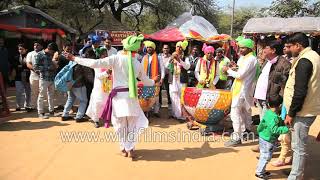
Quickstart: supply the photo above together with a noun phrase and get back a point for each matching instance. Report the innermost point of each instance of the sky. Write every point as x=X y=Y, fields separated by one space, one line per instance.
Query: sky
x=244 y=3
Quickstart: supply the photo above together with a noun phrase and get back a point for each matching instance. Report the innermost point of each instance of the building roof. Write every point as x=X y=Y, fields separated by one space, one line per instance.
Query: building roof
x=29 y=9
x=282 y=25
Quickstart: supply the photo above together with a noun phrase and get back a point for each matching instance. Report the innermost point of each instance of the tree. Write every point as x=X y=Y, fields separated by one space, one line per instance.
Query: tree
x=157 y=14
x=241 y=15
x=293 y=8
x=143 y=15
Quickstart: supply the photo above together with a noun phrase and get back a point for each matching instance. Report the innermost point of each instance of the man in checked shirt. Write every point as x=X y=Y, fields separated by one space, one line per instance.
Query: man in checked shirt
x=46 y=68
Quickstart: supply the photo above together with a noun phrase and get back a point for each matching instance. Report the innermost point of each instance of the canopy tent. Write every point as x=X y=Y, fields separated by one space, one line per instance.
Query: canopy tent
x=274 y=25
x=187 y=26
x=166 y=35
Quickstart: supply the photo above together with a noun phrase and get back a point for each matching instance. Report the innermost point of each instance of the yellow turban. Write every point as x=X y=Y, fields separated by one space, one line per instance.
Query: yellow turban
x=183 y=44
x=149 y=44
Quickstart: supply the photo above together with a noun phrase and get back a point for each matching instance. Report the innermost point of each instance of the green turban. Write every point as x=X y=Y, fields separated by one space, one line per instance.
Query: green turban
x=132 y=43
x=248 y=43
x=100 y=50
x=239 y=38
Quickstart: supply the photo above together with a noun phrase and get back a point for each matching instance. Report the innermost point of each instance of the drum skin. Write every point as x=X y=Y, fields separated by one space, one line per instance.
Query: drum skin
x=147 y=96
x=205 y=105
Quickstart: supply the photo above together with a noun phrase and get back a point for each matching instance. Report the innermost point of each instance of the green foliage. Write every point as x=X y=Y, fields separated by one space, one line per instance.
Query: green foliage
x=151 y=15
x=241 y=16
x=293 y=8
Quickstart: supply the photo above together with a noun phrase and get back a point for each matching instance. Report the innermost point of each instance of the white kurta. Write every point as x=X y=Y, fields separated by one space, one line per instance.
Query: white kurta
x=243 y=100
x=175 y=89
x=246 y=73
x=112 y=51
x=98 y=97
x=127 y=115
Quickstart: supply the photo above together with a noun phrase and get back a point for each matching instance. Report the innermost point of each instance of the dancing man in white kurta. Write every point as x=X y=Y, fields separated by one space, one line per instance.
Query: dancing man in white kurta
x=127 y=118
x=242 y=91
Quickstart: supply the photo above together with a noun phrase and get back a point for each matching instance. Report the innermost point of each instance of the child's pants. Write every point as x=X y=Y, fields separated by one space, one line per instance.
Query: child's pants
x=266 y=150
x=285 y=140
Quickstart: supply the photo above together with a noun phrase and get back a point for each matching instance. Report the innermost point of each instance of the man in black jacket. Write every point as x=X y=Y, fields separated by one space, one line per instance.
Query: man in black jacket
x=23 y=90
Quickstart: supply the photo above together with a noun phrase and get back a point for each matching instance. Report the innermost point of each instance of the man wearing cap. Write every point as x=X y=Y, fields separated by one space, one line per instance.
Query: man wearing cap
x=96 y=42
x=178 y=78
x=128 y=118
x=154 y=68
x=242 y=91
x=223 y=61
x=46 y=69
x=206 y=70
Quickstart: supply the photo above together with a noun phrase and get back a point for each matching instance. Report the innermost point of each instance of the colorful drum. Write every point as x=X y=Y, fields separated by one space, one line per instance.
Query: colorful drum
x=147 y=96
x=207 y=107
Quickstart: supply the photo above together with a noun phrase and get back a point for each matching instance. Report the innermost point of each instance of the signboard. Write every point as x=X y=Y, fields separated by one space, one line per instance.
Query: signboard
x=118 y=36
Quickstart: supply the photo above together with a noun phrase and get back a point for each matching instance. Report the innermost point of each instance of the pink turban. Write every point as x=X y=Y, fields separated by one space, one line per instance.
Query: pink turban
x=207 y=49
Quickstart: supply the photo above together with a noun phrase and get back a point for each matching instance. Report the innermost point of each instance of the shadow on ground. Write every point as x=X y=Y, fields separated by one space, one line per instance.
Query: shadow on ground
x=28 y=125
x=180 y=154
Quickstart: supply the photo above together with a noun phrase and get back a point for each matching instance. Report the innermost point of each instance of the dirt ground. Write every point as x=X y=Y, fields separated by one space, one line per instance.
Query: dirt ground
x=32 y=148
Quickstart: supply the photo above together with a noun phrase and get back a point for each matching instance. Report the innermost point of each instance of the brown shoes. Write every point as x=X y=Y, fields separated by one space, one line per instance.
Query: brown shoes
x=132 y=154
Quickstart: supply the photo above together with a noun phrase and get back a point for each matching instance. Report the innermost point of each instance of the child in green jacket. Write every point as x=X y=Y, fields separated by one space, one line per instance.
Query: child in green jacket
x=269 y=130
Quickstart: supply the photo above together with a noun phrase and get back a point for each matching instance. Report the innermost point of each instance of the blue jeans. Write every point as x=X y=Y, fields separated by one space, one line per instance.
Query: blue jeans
x=299 y=146
x=266 y=150
x=76 y=93
x=23 y=94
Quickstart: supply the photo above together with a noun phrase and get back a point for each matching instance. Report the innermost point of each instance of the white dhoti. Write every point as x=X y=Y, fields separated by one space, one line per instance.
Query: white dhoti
x=241 y=119
x=175 y=95
x=128 y=129
x=242 y=94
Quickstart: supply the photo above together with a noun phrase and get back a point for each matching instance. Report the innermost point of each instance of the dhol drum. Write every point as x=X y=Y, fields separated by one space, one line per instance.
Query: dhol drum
x=206 y=107
x=147 y=96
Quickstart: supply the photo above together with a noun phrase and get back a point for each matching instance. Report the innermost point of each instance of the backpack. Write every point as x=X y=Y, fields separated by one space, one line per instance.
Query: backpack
x=63 y=81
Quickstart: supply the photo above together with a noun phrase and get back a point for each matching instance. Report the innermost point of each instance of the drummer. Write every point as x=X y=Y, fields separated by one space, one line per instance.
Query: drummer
x=178 y=78
x=207 y=69
x=154 y=68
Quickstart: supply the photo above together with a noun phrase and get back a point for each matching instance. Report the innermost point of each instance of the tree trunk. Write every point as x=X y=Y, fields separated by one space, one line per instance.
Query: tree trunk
x=32 y=3
x=117 y=15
